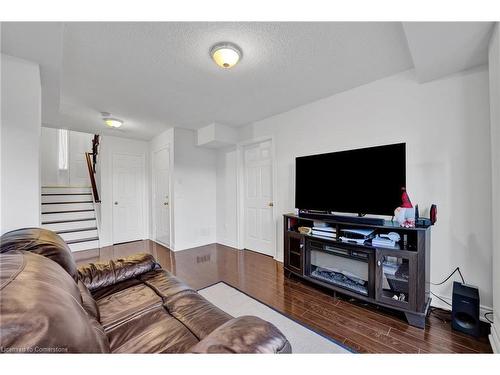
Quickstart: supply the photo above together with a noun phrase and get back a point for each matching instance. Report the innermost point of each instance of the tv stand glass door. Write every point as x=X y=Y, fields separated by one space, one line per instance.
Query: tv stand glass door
x=395 y=282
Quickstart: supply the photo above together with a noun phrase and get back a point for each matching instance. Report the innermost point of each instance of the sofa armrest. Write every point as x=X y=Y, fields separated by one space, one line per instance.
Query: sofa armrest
x=99 y=275
x=246 y=334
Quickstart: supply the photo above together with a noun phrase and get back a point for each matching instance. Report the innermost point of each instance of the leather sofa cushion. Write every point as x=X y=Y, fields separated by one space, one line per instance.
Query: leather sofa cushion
x=196 y=313
x=100 y=275
x=154 y=331
x=111 y=289
x=126 y=303
x=88 y=303
x=164 y=283
x=42 y=242
x=42 y=310
x=246 y=334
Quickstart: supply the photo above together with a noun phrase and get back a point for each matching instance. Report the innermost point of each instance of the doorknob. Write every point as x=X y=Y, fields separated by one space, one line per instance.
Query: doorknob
x=116 y=203
x=270 y=204
x=165 y=203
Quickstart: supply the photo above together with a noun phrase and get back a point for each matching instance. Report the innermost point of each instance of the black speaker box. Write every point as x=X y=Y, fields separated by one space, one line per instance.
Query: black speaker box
x=465 y=309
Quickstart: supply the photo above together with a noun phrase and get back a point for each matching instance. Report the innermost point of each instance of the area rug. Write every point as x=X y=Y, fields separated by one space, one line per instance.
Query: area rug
x=302 y=338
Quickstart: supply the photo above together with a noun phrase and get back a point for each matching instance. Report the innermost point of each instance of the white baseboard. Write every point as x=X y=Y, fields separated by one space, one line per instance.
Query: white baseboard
x=191 y=245
x=495 y=339
x=229 y=243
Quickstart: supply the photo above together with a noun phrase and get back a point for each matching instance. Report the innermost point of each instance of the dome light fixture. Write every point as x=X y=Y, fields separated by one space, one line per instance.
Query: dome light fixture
x=226 y=54
x=113 y=122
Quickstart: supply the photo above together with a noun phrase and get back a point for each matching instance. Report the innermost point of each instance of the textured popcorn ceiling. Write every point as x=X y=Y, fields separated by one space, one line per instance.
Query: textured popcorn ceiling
x=158 y=75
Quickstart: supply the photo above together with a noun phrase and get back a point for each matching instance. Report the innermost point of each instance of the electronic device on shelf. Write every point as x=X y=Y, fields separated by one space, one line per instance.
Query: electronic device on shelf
x=389 y=240
x=393 y=236
x=355 y=235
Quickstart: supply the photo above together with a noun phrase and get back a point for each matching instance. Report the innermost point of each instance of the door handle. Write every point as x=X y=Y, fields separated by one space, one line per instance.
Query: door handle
x=270 y=204
x=116 y=203
x=165 y=203
x=379 y=263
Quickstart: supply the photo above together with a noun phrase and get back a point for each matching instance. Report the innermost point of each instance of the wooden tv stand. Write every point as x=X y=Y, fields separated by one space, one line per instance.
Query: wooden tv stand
x=397 y=278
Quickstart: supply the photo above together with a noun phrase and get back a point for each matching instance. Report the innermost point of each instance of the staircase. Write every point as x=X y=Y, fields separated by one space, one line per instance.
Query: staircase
x=69 y=211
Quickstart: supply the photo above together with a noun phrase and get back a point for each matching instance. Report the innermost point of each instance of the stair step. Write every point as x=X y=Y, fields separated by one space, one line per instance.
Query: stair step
x=50 y=194
x=58 y=217
x=79 y=235
x=70 y=225
x=69 y=202
x=68 y=211
x=65 y=190
x=75 y=230
x=69 y=242
x=66 y=198
x=79 y=246
x=67 y=207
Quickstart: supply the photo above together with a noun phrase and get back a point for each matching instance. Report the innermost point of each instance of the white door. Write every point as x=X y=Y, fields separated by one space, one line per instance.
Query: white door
x=128 y=198
x=258 y=198
x=161 y=197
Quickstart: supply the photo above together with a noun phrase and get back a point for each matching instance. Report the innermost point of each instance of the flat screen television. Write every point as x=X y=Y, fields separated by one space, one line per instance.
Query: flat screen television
x=360 y=181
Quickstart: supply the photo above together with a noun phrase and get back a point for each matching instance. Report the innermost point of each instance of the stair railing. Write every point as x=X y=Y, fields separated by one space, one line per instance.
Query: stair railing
x=91 y=166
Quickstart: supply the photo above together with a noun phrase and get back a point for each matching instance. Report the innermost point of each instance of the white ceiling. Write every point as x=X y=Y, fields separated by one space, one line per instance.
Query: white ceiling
x=439 y=48
x=158 y=75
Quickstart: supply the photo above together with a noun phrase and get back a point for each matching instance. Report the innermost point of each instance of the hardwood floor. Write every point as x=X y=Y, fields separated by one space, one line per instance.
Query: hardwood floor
x=364 y=328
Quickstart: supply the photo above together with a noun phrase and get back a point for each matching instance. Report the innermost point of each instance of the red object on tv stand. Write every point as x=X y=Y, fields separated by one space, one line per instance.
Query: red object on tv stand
x=406 y=203
x=433 y=214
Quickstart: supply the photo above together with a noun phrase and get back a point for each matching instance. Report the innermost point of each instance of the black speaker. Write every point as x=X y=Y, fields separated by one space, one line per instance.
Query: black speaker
x=465 y=309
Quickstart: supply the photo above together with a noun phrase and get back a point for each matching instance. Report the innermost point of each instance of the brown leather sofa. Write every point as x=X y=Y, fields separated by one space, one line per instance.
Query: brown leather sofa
x=129 y=305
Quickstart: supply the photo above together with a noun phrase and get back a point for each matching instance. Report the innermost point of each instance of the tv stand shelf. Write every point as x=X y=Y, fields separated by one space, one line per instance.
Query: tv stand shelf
x=396 y=278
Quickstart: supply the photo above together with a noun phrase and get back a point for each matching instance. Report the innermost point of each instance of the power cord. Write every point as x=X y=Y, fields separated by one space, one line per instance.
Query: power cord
x=442 y=282
x=486 y=317
x=451 y=274
x=439 y=298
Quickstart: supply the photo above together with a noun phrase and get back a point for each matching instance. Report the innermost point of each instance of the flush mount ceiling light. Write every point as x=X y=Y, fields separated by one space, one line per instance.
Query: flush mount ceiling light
x=226 y=54
x=113 y=122
x=110 y=120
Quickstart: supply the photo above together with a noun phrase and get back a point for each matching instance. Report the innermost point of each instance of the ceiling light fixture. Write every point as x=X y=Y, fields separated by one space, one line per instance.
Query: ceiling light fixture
x=113 y=122
x=226 y=54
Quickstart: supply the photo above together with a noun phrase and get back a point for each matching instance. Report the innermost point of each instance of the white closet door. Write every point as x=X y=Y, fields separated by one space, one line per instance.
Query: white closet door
x=161 y=197
x=128 y=194
x=258 y=198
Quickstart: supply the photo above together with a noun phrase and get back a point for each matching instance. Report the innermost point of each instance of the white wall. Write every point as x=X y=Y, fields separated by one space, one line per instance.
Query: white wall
x=20 y=142
x=226 y=197
x=445 y=124
x=108 y=146
x=194 y=189
x=50 y=173
x=494 y=70
x=77 y=173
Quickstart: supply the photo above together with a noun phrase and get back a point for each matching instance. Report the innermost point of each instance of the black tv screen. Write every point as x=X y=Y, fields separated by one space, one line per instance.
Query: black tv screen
x=362 y=181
